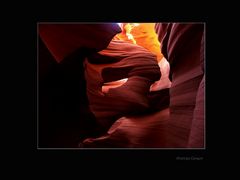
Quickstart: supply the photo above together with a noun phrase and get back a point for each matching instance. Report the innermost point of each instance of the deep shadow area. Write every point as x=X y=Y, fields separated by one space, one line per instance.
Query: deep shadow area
x=64 y=117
